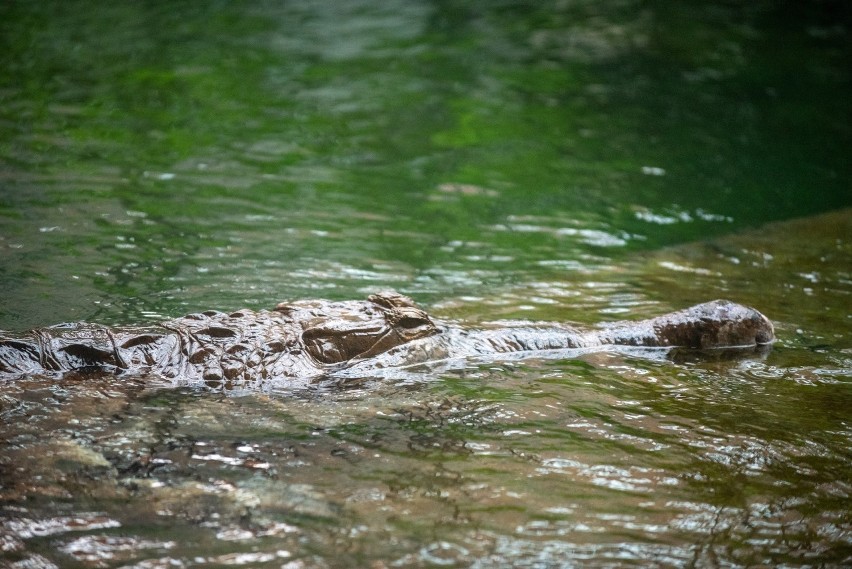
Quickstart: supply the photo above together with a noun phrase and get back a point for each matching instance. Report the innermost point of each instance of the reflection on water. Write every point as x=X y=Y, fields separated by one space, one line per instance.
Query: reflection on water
x=495 y=161
x=226 y=155
x=605 y=459
x=593 y=461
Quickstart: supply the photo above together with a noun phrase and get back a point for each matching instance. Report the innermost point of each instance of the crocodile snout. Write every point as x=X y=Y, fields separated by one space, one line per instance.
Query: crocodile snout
x=764 y=330
x=735 y=325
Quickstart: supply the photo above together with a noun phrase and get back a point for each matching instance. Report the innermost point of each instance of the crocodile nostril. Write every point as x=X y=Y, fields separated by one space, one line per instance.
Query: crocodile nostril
x=765 y=333
x=764 y=336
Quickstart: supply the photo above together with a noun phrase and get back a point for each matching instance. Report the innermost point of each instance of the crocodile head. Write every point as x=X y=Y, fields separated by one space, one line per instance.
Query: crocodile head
x=337 y=332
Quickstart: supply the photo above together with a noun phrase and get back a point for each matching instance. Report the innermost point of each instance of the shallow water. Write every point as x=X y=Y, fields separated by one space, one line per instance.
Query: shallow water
x=565 y=162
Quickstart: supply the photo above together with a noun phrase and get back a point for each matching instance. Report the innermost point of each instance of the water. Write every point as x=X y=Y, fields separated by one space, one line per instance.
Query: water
x=568 y=161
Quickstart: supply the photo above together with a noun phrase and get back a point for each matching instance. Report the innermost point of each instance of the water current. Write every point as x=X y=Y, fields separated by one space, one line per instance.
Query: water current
x=569 y=161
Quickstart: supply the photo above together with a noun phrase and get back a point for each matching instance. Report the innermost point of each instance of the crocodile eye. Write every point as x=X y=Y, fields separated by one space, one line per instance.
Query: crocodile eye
x=411 y=322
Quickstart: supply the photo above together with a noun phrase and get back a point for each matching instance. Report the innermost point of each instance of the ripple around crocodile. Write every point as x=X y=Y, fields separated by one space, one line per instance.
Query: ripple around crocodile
x=300 y=342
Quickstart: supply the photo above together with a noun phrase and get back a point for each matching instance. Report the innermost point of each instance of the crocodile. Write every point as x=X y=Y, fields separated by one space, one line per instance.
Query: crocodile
x=301 y=342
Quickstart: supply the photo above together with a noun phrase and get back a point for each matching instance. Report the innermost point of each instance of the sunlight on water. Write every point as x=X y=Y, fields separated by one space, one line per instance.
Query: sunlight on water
x=574 y=162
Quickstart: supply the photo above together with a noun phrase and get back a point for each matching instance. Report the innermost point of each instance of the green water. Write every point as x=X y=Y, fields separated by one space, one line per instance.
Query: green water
x=569 y=161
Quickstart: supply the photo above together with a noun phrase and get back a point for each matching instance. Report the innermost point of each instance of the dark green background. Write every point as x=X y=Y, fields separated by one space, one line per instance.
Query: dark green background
x=161 y=157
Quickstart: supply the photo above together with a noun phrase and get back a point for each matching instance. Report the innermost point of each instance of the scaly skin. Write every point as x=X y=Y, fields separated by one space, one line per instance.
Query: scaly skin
x=298 y=342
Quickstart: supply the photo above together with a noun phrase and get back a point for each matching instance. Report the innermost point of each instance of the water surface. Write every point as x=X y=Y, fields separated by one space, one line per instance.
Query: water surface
x=564 y=161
